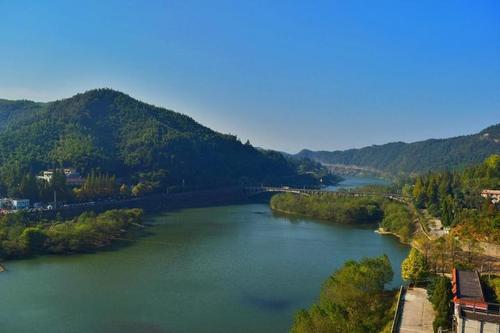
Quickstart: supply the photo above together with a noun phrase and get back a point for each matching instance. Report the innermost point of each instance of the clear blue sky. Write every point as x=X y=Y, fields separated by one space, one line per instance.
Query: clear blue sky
x=285 y=74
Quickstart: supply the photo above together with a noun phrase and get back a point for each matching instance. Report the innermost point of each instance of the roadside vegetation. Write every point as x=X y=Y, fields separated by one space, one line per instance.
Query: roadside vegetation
x=455 y=198
x=491 y=287
x=415 y=269
x=20 y=237
x=439 y=293
x=353 y=299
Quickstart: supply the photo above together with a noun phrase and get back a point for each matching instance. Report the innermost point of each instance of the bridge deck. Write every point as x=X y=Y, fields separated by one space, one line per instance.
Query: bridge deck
x=303 y=191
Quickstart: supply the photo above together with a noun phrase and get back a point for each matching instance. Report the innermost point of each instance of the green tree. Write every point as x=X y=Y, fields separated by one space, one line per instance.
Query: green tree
x=125 y=190
x=29 y=187
x=419 y=193
x=440 y=296
x=352 y=300
x=447 y=211
x=414 y=267
x=33 y=239
x=141 y=189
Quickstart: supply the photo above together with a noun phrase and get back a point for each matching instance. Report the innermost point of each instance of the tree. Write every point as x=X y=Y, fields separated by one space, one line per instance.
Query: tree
x=440 y=296
x=414 y=267
x=419 y=193
x=352 y=300
x=125 y=190
x=58 y=184
x=29 y=187
x=447 y=214
x=33 y=238
x=140 y=189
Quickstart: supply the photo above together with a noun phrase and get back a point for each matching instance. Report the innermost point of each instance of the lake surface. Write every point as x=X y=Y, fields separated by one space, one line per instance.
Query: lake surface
x=351 y=182
x=220 y=269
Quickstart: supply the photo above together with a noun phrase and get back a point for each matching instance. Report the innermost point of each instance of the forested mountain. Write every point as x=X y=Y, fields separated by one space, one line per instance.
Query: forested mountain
x=110 y=132
x=455 y=197
x=417 y=157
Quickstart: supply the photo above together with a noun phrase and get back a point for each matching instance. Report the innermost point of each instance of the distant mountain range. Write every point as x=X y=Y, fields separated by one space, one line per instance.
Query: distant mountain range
x=399 y=157
x=110 y=132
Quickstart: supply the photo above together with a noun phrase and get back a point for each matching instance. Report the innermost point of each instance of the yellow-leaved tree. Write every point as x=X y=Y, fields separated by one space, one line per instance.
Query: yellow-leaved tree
x=414 y=267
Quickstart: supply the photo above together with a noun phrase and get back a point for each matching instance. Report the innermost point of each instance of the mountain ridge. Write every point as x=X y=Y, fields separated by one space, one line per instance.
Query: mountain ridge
x=416 y=157
x=110 y=132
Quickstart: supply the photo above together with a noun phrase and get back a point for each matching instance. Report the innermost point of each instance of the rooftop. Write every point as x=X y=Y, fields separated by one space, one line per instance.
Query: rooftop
x=467 y=286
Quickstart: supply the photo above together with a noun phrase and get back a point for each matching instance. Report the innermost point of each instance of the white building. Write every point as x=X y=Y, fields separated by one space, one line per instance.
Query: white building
x=20 y=204
x=17 y=204
x=493 y=195
x=5 y=203
x=73 y=177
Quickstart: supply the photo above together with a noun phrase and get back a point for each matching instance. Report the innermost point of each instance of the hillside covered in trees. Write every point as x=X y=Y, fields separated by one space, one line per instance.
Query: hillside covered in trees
x=417 y=157
x=455 y=197
x=108 y=132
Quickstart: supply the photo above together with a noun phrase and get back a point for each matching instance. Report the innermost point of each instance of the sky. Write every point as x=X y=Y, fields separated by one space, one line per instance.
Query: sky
x=284 y=74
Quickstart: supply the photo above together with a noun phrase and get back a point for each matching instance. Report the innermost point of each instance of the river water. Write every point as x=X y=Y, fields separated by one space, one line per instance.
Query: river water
x=235 y=268
x=352 y=182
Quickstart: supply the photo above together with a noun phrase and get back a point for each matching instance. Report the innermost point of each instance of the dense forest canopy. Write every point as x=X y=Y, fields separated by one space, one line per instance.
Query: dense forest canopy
x=109 y=132
x=417 y=157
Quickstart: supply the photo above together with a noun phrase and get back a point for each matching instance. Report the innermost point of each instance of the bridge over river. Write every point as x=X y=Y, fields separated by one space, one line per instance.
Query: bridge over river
x=305 y=191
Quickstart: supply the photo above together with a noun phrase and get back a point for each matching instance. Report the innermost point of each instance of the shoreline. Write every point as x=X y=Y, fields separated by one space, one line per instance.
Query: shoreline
x=382 y=231
x=150 y=205
x=284 y=212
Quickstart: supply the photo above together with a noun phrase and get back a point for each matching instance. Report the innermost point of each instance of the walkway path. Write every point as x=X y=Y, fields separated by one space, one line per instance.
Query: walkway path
x=417 y=313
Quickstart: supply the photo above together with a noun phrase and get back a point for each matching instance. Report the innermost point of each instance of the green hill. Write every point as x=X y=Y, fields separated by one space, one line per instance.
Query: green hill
x=110 y=132
x=417 y=157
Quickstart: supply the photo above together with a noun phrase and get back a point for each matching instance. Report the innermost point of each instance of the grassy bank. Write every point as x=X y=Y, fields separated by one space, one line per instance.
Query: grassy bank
x=20 y=237
x=331 y=207
x=392 y=217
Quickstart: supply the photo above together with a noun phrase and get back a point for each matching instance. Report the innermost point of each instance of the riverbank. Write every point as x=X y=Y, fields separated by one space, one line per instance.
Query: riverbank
x=329 y=207
x=150 y=203
x=398 y=220
x=231 y=267
x=89 y=232
x=382 y=231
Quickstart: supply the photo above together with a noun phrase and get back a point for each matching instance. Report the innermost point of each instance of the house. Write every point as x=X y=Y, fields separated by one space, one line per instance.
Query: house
x=20 y=204
x=472 y=314
x=5 y=203
x=46 y=176
x=493 y=195
x=73 y=177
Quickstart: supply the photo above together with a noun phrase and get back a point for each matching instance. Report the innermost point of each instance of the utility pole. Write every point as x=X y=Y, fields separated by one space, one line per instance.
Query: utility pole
x=55 y=199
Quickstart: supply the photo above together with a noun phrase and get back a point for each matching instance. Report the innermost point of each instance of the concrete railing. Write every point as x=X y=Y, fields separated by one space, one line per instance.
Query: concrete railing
x=397 y=313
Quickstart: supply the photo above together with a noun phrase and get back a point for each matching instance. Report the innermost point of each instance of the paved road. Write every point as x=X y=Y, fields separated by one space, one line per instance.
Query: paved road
x=417 y=313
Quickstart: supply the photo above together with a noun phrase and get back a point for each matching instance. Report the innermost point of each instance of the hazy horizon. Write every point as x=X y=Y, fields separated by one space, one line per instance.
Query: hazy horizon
x=285 y=75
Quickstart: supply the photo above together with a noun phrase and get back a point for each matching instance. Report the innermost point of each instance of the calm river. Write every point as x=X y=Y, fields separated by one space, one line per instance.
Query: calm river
x=220 y=269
